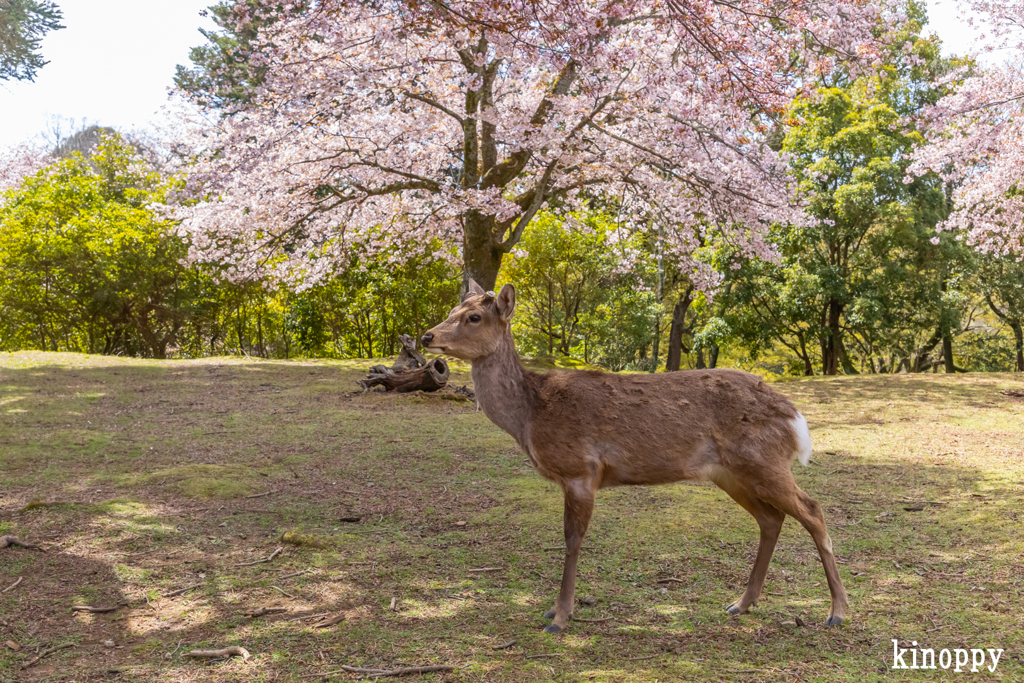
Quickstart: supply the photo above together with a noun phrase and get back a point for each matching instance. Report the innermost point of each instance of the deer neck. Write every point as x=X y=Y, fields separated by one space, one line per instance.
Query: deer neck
x=500 y=384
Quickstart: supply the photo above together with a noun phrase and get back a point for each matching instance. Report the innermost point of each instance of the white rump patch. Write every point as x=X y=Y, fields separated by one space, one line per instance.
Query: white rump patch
x=803 y=439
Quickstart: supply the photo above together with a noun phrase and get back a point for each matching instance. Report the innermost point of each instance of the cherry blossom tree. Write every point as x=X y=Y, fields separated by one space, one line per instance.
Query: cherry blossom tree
x=19 y=162
x=384 y=128
x=976 y=135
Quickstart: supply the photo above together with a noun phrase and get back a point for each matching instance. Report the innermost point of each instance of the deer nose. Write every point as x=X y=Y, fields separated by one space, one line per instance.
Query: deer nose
x=427 y=338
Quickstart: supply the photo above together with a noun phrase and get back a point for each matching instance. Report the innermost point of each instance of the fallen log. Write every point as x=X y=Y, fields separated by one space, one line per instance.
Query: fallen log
x=430 y=377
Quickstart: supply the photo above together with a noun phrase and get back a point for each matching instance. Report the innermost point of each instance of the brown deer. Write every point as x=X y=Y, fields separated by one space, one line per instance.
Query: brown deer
x=588 y=430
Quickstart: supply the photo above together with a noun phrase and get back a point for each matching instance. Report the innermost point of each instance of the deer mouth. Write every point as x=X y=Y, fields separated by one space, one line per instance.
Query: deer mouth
x=435 y=349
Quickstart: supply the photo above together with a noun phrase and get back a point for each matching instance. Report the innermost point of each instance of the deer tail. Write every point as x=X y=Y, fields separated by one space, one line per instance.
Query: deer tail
x=803 y=439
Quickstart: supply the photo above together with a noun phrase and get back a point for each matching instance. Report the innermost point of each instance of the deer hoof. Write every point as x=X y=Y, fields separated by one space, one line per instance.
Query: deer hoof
x=552 y=628
x=550 y=614
x=734 y=609
x=833 y=621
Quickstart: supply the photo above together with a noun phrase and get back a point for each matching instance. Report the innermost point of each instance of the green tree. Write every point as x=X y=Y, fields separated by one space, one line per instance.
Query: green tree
x=574 y=298
x=863 y=277
x=23 y=23
x=1002 y=282
x=88 y=266
x=221 y=73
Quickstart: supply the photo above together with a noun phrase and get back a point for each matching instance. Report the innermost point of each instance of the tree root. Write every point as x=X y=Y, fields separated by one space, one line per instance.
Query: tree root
x=8 y=541
x=233 y=651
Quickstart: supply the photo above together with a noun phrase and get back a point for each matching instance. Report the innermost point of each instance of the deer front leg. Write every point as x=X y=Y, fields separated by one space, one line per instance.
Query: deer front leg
x=579 y=505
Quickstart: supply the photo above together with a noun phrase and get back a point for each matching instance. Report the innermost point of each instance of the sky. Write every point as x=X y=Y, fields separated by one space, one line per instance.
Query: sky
x=114 y=62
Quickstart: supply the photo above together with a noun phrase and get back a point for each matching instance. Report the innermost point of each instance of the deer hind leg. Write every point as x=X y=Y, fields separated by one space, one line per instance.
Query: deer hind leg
x=579 y=505
x=770 y=520
x=794 y=502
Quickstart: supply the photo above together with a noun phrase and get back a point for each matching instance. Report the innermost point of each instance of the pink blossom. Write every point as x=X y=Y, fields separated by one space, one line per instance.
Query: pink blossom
x=403 y=120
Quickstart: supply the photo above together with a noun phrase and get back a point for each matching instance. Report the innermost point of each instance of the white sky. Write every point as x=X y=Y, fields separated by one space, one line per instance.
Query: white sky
x=114 y=62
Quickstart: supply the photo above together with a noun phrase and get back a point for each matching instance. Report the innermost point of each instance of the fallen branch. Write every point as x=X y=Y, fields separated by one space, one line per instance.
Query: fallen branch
x=548 y=654
x=8 y=541
x=593 y=621
x=671 y=579
x=265 y=559
x=96 y=610
x=293 y=575
x=233 y=651
x=381 y=673
x=487 y=569
x=13 y=585
x=182 y=591
x=284 y=592
x=263 y=611
x=44 y=653
x=505 y=646
x=260 y=495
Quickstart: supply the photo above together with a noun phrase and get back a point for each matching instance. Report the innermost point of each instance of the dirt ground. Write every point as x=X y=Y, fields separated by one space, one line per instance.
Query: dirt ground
x=163 y=490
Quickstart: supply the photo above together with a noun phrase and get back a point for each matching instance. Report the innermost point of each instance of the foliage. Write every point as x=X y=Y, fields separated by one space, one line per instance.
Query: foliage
x=573 y=299
x=23 y=23
x=87 y=265
x=862 y=286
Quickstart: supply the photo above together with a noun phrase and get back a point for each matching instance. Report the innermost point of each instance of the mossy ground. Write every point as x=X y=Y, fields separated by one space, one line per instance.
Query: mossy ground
x=143 y=477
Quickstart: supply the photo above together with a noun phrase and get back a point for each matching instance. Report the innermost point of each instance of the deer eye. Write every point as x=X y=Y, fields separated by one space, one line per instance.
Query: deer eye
x=474 y=318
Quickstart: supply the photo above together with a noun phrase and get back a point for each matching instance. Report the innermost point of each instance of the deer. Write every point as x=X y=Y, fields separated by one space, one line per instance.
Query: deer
x=588 y=430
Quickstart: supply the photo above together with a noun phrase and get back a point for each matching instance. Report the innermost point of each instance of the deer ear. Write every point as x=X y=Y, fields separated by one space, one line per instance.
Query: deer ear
x=473 y=288
x=506 y=302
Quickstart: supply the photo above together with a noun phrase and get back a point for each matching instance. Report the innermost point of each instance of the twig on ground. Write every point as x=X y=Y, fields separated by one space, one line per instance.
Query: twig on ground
x=265 y=559
x=547 y=654
x=292 y=576
x=171 y=654
x=44 y=653
x=233 y=651
x=13 y=585
x=331 y=621
x=593 y=621
x=97 y=610
x=8 y=541
x=380 y=673
x=637 y=659
x=394 y=601
x=309 y=616
x=260 y=495
x=182 y=591
x=487 y=569
x=671 y=579
x=263 y=611
x=284 y=592
x=505 y=646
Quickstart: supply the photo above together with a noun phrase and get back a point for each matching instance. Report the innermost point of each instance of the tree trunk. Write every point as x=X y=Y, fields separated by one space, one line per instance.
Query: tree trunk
x=481 y=257
x=431 y=377
x=713 y=356
x=676 y=331
x=947 y=352
x=830 y=346
x=1018 y=335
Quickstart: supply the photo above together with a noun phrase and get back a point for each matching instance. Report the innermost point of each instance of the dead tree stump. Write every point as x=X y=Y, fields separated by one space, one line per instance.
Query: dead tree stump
x=411 y=371
x=430 y=377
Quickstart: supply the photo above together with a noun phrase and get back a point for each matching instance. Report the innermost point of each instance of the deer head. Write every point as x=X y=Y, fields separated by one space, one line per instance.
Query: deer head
x=476 y=326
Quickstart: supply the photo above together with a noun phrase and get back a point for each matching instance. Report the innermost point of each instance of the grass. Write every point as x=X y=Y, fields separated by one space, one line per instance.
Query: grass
x=136 y=475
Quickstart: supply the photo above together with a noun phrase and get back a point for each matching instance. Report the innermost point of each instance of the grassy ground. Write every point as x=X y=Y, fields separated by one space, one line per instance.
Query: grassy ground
x=141 y=478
